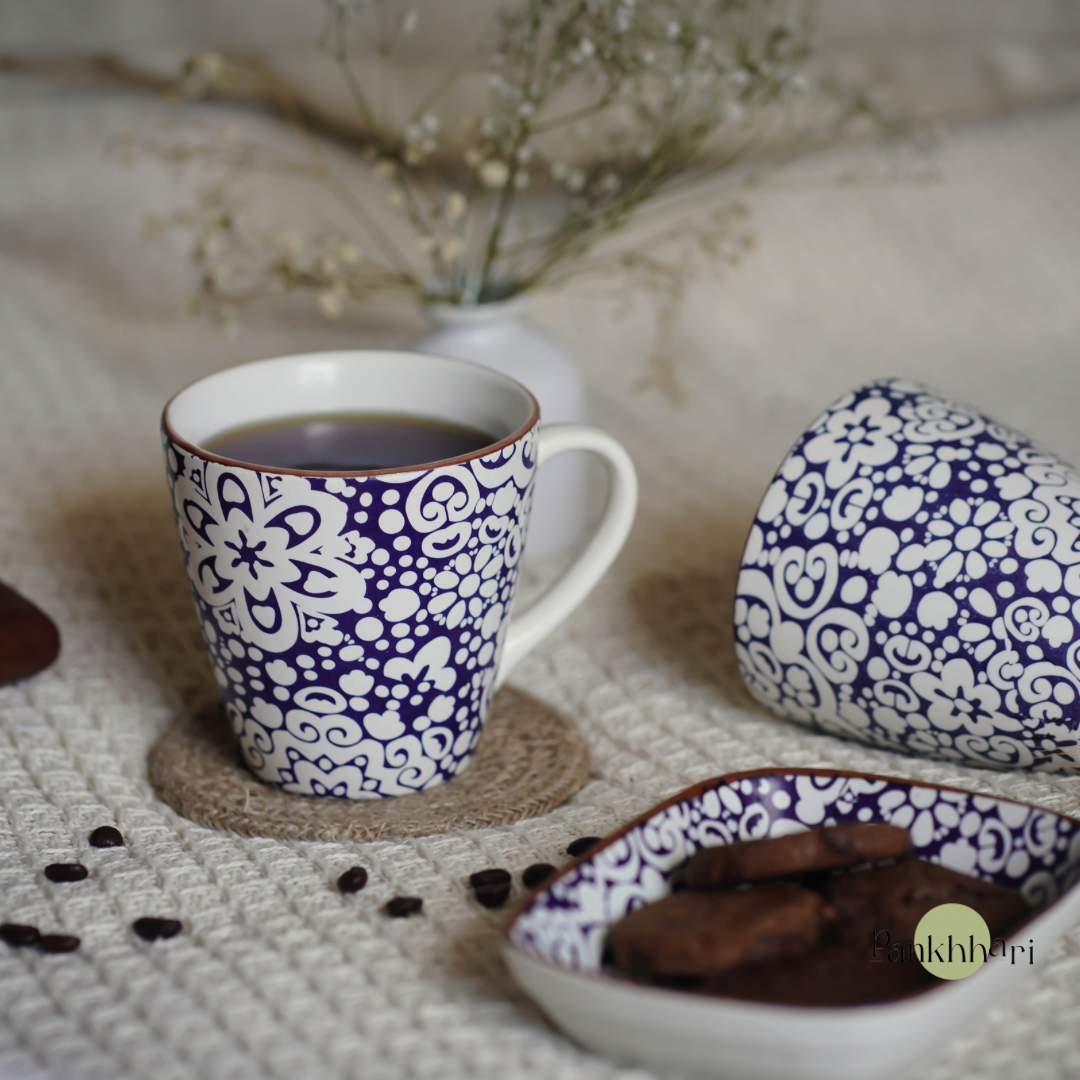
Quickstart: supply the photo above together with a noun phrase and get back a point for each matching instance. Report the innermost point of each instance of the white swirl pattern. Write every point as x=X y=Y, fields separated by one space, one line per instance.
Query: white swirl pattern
x=355 y=624
x=912 y=580
x=1021 y=847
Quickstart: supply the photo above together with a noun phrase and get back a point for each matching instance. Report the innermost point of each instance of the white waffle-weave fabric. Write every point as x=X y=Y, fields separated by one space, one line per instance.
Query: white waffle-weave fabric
x=971 y=283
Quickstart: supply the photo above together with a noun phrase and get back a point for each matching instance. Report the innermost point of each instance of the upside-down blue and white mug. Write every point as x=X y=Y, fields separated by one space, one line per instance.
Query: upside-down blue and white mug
x=912 y=580
x=359 y=622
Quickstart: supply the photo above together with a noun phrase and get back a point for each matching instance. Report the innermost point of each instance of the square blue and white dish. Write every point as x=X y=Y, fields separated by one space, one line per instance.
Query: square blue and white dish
x=555 y=942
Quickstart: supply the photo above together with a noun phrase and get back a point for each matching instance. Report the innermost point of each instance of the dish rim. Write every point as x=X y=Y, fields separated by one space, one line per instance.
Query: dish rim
x=693 y=791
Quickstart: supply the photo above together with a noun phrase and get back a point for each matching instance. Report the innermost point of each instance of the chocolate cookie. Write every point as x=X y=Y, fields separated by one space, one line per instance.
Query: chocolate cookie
x=896 y=897
x=835 y=973
x=797 y=853
x=701 y=933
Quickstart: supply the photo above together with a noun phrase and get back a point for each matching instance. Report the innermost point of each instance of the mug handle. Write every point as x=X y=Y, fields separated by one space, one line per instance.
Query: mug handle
x=530 y=627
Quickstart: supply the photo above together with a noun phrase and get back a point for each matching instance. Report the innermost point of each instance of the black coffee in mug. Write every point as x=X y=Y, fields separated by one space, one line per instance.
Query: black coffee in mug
x=348 y=442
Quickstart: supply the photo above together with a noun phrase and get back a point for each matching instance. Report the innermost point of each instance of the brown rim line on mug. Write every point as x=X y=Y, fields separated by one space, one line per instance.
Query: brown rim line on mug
x=359 y=620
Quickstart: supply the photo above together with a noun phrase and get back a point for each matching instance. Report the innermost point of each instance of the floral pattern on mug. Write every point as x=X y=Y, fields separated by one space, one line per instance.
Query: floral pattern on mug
x=912 y=580
x=355 y=623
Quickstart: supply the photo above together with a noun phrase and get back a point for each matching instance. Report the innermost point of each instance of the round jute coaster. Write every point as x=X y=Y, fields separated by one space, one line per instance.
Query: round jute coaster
x=530 y=760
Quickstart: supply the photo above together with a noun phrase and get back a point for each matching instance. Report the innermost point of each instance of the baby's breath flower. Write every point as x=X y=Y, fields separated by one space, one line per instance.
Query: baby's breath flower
x=473 y=157
x=586 y=48
x=350 y=254
x=452 y=249
x=332 y=303
x=494 y=174
x=210 y=246
x=384 y=169
x=575 y=180
x=200 y=74
x=291 y=243
x=456 y=205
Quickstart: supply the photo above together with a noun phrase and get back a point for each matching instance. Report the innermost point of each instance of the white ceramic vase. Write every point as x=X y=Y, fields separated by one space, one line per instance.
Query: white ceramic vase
x=499 y=336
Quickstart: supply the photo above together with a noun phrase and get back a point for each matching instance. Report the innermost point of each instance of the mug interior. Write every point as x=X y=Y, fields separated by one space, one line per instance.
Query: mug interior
x=391 y=383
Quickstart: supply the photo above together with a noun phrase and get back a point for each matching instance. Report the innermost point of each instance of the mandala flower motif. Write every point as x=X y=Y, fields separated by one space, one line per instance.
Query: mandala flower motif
x=854 y=437
x=257 y=544
x=961 y=542
x=958 y=701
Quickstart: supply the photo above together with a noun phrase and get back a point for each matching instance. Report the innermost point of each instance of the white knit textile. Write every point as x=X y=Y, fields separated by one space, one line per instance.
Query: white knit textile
x=971 y=283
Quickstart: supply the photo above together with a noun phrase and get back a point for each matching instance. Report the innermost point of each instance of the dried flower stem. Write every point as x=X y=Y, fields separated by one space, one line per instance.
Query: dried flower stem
x=658 y=97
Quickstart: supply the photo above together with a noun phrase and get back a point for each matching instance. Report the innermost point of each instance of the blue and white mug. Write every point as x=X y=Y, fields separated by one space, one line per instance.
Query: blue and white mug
x=912 y=580
x=358 y=623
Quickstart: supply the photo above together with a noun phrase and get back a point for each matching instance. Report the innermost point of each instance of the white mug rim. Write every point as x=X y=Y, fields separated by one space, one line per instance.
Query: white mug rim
x=340 y=355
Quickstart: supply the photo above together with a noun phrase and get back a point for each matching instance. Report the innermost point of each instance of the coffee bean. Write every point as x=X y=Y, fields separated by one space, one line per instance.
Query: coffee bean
x=353 y=880
x=151 y=929
x=66 y=871
x=583 y=844
x=493 y=895
x=533 y=875
x=16 y=934
x=58 y=943
x=29 y=640
x=489 y=877
x=106 y=836
x=401 y=907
